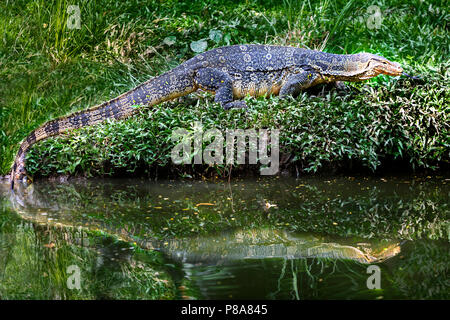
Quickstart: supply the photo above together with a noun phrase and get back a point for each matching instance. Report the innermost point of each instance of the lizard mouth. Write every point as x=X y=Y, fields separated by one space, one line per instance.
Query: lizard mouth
x=389 y=68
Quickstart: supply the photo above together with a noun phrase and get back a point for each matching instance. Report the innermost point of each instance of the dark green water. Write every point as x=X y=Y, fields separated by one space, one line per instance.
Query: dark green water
x=272 y=238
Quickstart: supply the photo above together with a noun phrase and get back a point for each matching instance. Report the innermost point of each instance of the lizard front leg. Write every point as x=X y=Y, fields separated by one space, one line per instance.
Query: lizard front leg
x=297 y=82
x=219 y=82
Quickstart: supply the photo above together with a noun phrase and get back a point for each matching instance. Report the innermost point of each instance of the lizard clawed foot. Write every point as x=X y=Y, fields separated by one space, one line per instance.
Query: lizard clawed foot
x=341 y=86
x=239 y=104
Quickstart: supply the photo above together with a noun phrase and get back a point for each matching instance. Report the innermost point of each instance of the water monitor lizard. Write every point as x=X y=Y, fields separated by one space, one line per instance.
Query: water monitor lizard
x=230 y=73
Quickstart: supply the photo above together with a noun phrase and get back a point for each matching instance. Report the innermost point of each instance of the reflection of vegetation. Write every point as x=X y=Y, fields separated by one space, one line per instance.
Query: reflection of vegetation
x=397 y=209
x=34 y=261
x=318 y=278
x=422 y=270
x=360 y=213
x=372 y=214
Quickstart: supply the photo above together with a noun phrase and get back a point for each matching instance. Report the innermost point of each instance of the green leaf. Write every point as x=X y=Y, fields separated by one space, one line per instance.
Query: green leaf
x=215 y=35
x=227 y=39
x=199 y=46
x=170 y=40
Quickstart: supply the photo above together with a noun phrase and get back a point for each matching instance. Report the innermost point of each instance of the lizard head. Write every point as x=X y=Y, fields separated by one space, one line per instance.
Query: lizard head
x=373 y=65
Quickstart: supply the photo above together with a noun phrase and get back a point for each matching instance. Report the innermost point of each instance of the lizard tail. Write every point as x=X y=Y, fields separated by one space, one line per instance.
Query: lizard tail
x=165 y=87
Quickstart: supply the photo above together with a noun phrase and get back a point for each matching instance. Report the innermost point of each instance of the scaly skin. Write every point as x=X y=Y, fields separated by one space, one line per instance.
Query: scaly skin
x=230 y=73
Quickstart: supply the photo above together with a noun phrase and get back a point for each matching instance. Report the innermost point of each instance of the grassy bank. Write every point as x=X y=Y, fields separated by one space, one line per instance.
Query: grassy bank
x=48 y=70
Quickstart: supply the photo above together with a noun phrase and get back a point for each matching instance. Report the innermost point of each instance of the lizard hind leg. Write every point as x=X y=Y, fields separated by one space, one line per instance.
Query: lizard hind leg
x=219 y=82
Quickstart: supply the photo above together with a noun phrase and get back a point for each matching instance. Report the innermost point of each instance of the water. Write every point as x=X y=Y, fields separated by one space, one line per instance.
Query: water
x=271 y=238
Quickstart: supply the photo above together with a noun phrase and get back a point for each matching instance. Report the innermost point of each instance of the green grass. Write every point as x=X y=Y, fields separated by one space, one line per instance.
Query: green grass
x=48 y=70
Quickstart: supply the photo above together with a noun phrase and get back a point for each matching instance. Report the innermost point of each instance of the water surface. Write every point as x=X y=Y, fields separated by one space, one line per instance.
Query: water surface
x=271 y=238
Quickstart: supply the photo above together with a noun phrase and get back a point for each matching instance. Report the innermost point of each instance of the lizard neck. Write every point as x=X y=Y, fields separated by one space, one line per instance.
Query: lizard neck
x=336 y=67
x=348 y=67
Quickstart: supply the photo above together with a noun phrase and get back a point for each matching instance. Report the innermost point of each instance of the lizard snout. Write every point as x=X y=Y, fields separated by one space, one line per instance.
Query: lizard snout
x=397 y=68
x=390 y=68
